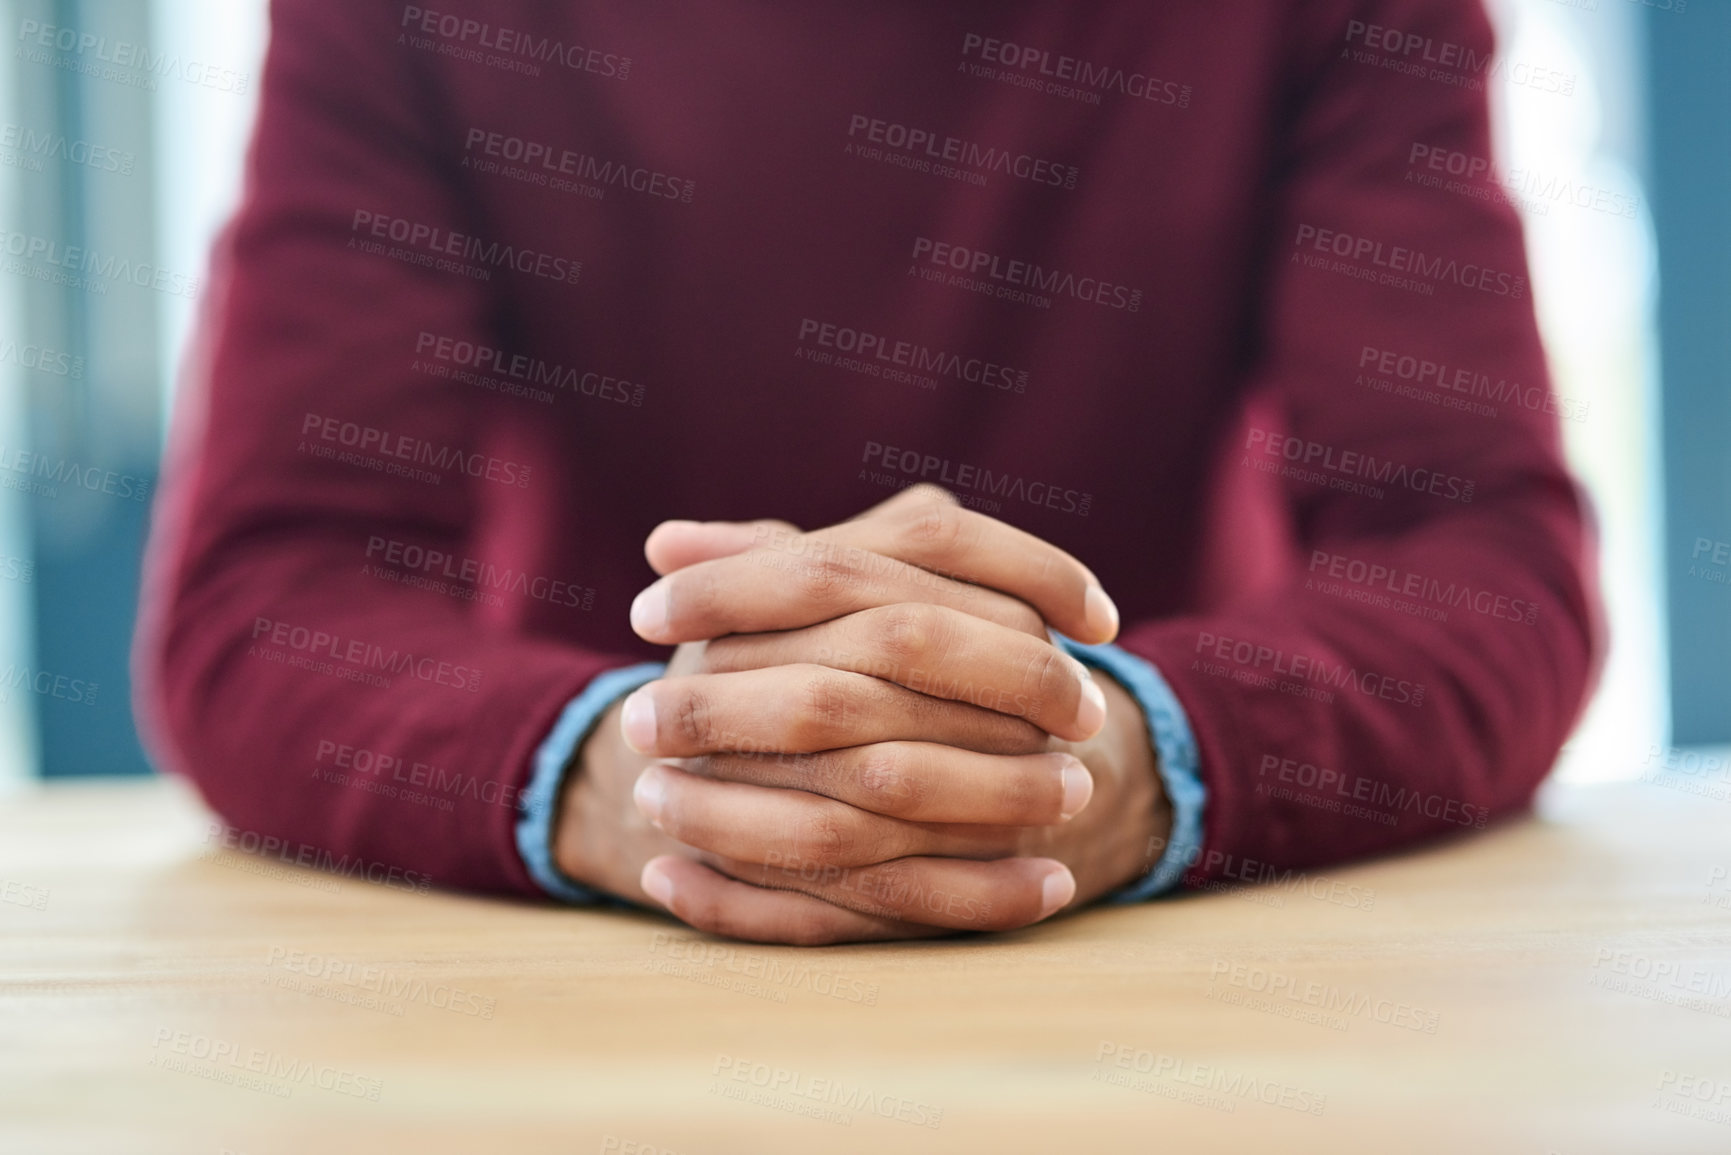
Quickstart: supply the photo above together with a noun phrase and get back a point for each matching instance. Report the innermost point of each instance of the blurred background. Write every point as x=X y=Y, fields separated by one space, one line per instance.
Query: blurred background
x=121 y=144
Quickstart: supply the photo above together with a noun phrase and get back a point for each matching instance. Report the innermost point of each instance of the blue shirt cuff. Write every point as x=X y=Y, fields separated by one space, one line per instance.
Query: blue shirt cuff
x=1180 y=764
x=535 y=818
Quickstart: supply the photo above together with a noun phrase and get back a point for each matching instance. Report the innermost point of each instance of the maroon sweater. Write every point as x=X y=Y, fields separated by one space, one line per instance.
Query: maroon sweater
x=1187 y=289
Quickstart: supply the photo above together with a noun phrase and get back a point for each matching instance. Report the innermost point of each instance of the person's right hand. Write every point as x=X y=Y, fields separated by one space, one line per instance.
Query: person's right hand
x=943 y=768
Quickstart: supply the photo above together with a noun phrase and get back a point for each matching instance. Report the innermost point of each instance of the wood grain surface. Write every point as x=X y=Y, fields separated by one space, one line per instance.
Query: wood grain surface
x=1558 y=984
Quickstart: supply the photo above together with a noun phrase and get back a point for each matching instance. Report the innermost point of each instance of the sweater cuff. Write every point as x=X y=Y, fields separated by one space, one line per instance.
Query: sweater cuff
x=1179 y=763
x=552 y=758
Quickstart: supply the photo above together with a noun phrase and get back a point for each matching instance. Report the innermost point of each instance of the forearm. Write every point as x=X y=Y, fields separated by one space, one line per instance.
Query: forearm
x=1334 y=721
x=356 y=719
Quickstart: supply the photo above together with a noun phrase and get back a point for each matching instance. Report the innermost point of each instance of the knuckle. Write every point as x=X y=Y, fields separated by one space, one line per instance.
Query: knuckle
x=825 y=709
x=693 y=717
x=1024 y=794
x=893 y=889
x=906 y=632
x=1051 y=678
x=824 y=836
x=885 y=784
x=934 y=528
x=824 y=580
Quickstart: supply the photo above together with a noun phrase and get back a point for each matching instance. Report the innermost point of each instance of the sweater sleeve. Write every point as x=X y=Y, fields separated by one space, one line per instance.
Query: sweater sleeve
x=1414 y=662
x=321 y=703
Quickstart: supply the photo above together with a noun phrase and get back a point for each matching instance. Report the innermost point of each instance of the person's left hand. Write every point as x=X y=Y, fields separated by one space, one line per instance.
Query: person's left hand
x=896 y=818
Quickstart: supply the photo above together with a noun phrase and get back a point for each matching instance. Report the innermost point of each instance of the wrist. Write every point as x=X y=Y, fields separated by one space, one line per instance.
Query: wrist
x=590 y=810
x=1108 y=844
x=1147 y=812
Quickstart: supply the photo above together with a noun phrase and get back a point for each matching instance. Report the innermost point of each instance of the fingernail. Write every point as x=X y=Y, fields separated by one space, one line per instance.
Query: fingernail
x=1078 y=788
x=1100 y=613
x=650 y=794
x=657 y=885
x=1091 y=711
x=649 y=612
x=1058 y=889
x=637 y=721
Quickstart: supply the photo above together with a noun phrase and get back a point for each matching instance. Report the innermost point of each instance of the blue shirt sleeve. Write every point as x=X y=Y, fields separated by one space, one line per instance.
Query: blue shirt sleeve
x=535 y=817
x=1180 y=764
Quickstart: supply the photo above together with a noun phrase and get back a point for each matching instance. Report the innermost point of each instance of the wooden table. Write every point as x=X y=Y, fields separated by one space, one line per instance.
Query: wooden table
x=1561 y=984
